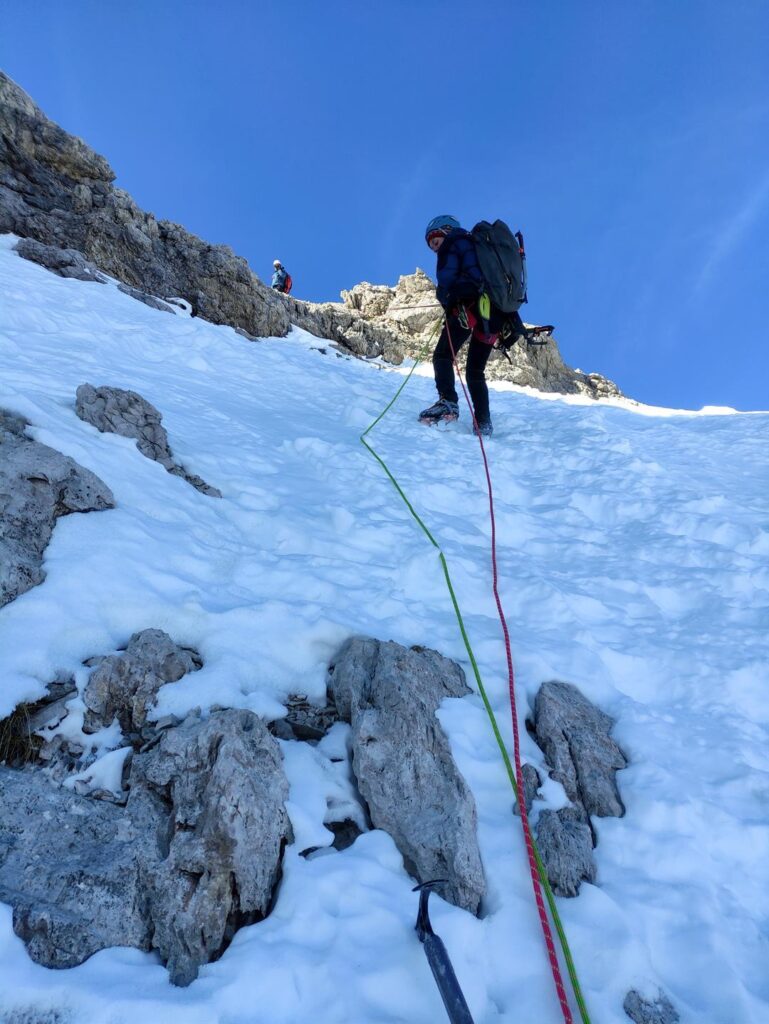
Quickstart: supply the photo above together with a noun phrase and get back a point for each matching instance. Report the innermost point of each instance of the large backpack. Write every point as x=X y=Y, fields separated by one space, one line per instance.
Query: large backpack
x=287 y=284
x=502 y=260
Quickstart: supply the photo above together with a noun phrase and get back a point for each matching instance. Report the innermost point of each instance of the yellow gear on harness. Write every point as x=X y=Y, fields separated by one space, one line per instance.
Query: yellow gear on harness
x=484 y=306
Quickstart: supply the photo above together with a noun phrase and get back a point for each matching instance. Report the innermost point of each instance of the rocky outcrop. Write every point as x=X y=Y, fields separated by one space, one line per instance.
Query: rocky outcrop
x=125 y=685
x=650 y=1011
x=411 y=312
x=194 y=855
x=116 y=411
x=37 y=485
x=57 y=191
x=574 y=737
x=402 y=761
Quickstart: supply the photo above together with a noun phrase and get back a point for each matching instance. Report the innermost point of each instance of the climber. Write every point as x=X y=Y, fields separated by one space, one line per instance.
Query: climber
x=460 y=284
x=281 y=279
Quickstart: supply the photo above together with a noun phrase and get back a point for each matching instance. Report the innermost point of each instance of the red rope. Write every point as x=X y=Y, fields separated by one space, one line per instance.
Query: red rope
x=535 y=880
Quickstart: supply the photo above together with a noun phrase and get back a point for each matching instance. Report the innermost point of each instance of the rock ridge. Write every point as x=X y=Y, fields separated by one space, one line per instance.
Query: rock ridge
x=56 y=191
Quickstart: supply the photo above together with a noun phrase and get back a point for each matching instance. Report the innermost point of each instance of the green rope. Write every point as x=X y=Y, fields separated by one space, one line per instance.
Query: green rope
x=481 y=688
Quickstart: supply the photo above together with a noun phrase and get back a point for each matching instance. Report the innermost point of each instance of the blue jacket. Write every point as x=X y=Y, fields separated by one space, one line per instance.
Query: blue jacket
x=279 y=278
x=459 y=275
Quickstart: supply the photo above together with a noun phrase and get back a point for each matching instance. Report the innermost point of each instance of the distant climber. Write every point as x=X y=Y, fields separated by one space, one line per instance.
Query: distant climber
x=281 y=279
x=460 y=286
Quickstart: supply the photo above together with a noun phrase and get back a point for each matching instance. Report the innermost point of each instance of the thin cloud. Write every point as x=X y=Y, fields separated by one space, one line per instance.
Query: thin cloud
x=732 y=234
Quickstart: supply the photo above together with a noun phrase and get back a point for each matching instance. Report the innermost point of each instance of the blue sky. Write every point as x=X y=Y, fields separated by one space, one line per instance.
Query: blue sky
x=628 y=140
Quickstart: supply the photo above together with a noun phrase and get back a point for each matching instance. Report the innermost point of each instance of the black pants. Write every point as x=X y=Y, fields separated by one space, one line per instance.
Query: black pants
x=477 y=357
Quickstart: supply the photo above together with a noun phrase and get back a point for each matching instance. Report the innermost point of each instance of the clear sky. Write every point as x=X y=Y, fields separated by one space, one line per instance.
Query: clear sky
x=628 y=139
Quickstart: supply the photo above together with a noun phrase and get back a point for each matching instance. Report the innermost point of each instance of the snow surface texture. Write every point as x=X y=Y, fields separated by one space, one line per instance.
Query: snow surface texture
x=634 y=563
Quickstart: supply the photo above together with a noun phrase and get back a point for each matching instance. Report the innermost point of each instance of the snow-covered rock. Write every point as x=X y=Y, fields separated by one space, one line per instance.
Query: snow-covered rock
x=117 y=411
x=124 y=686
x=650 y=1011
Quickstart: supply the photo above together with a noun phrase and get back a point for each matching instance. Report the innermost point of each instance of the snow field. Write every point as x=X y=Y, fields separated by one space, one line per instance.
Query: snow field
x=633 y=562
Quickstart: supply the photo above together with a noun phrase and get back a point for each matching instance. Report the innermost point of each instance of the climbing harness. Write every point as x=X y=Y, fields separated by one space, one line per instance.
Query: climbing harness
x=438 y=958
x=531 y=334
x=539 y=877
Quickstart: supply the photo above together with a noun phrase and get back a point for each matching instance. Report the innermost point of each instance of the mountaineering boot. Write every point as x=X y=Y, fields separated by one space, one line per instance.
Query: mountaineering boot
x=483 y=428
x=442 y=412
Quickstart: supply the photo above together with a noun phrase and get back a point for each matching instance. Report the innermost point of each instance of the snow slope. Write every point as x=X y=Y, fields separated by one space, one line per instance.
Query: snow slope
x=634 y=561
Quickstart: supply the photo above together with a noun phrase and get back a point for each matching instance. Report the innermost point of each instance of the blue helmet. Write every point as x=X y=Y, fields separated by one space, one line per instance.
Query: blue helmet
x=443 y=223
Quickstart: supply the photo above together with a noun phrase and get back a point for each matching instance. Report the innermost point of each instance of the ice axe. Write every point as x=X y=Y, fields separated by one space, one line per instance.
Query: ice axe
x=438 y=958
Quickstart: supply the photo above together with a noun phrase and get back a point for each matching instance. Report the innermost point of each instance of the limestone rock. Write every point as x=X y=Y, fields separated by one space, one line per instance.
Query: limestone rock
x=222 y=784
x=37 y=485
x=647 y=1011
x=565 y=845
x=71 y=869
x=574 y=735
x=64 y=262
x=56 y=190
x=117 y=411
x=193 y=856
x=411 y=312
x=403 y=763
x=124 y=686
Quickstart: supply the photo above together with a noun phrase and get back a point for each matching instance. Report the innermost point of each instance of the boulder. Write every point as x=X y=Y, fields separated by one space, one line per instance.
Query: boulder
x=402 y=760
x=37 y=485
x=117 y=411
x=36 y=1015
